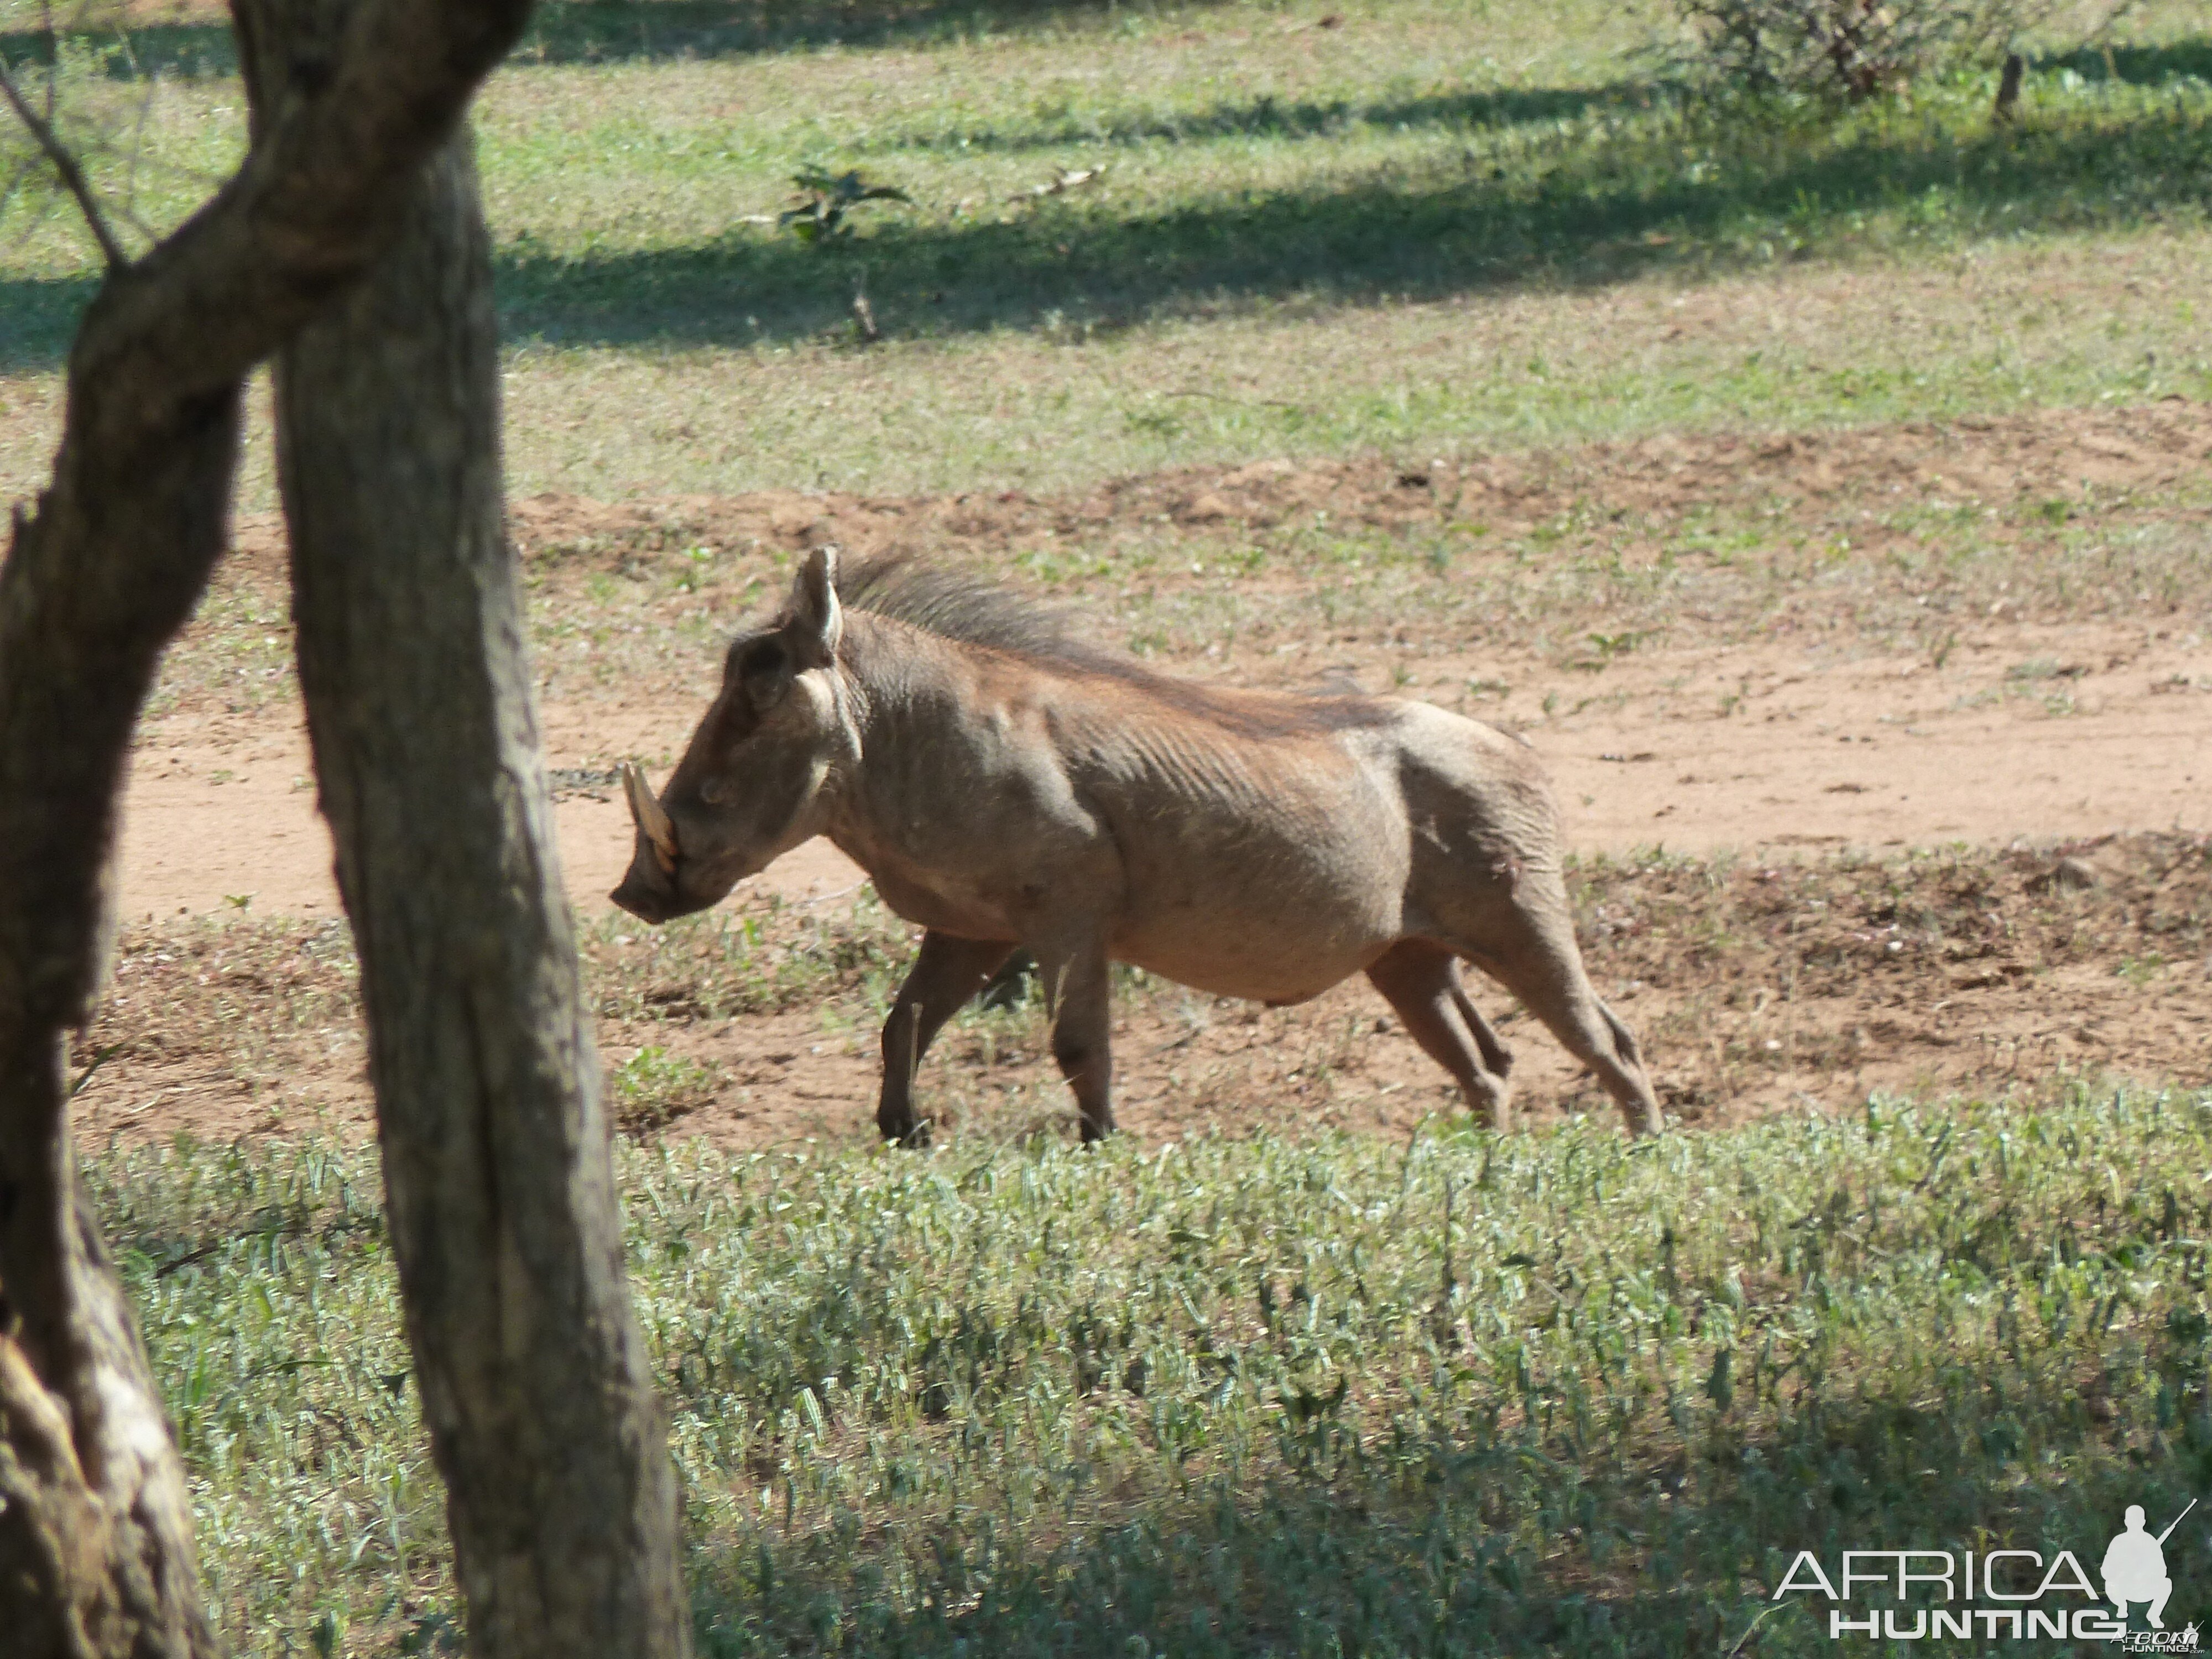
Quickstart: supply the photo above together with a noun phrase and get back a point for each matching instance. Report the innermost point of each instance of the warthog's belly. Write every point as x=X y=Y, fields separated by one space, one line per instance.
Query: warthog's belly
x=1275 y=901
x=1275 y=955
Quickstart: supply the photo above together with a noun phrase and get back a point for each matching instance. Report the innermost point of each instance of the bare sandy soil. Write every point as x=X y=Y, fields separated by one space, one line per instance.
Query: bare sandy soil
x=1794 y=750
x=1872 y=751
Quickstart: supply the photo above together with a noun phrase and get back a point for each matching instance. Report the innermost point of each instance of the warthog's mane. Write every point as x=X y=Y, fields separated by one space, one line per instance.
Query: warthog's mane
x=973 y=610
x=955 y=605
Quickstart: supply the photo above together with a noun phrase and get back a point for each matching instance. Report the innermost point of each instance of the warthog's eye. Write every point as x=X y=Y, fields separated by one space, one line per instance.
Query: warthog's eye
x=714 y=792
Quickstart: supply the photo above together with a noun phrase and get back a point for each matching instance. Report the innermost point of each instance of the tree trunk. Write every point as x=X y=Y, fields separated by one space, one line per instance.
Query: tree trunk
x=96 y=1557
x=498 y=1180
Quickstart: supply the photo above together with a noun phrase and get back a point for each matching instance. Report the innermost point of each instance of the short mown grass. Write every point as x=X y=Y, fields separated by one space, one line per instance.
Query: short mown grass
x=1425 y=226
x=1551 y=1394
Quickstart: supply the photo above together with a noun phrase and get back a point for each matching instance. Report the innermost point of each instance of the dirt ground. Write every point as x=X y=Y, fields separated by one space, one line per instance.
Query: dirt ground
x=1795 y=743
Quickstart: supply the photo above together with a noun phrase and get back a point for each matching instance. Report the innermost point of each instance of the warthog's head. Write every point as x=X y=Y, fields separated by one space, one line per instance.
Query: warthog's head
x=751 y=785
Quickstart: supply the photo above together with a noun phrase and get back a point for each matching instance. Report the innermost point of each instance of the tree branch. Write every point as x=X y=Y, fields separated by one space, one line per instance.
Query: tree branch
x=72 y=175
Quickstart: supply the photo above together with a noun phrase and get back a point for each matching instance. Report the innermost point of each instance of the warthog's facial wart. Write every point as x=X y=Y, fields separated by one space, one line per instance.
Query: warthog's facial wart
x=754 y=781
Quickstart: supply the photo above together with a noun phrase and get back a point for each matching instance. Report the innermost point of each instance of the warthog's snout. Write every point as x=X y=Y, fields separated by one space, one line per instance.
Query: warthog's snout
x=655 y=902
x=652 y=892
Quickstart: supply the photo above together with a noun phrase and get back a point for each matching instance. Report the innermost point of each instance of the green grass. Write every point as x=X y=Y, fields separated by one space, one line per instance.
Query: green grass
x=1429 y=226
x=1546 y=1395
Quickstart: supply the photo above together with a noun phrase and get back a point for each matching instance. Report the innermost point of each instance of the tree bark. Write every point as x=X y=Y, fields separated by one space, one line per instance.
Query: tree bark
x=561 y=1496
x=96 y=1555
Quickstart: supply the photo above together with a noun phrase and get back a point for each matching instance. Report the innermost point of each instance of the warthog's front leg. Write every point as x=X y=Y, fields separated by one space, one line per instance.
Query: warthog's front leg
x=947 y=972
x=1076 y=985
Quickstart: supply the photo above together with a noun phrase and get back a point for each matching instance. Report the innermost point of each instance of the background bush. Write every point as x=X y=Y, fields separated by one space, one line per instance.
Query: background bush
x=1858 y=48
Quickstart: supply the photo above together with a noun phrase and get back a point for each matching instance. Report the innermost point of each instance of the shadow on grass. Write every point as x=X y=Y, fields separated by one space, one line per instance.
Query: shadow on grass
x=175 y=52
x=613 y=31
x=625 y=31
x=1692 y=189
x=2187 y=59
x=628 y=31
x=1595 y=214
x=1271 y=118
x=1470 y=1542
x=616 y=30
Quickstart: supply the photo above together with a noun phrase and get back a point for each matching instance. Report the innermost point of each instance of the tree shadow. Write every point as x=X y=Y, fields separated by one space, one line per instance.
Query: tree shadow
x=565 y=32
x=1599 y=216
x=174 y=51
x=1572 y=213
x=632 y=31
x=2187 y=59
x=628 y=31
x=1270 y=118
x=1464 y=1540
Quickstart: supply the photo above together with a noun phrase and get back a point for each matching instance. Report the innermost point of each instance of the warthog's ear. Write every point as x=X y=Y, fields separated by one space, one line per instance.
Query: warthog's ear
x=818 y=621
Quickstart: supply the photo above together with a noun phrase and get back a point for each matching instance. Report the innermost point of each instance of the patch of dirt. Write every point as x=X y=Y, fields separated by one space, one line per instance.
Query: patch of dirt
x=1754 y=986
x=2042 y=454
x=1717 y=642
x=2027 y=729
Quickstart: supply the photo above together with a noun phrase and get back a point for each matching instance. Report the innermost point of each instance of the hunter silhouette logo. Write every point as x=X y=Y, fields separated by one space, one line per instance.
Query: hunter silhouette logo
x=2134 y=1566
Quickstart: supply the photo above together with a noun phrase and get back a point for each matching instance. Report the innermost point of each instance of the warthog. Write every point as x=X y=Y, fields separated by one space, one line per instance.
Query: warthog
x=1006 y=786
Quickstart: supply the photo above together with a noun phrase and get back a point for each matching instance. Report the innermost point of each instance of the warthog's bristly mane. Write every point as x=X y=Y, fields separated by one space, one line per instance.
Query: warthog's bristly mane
x=969 y=609
x=976 y=611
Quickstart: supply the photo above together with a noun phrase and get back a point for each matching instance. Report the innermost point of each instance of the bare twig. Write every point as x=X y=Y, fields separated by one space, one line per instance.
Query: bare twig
x=2009 y=87
x=1738 y=1646
x=64 y=163
x=824 y=898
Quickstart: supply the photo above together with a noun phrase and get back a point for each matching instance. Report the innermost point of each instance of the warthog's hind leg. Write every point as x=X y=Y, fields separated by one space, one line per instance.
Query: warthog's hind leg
x=947 y=972
x=1420 y=980
x=1540 y=962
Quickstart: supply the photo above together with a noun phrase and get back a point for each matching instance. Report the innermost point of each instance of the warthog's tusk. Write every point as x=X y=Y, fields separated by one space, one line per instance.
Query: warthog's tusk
x=653 y=823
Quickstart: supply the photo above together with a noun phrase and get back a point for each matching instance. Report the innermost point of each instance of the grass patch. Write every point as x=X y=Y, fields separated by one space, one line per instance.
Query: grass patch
x=1551 y=1394
x=1398 y=231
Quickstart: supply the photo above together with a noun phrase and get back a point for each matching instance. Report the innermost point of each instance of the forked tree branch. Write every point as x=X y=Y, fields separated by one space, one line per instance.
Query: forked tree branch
x=65 y=164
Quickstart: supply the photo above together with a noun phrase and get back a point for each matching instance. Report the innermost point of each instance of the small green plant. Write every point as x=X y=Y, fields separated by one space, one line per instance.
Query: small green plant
x=653 y=1087
x=1609 y=646
x=825 y=198
x=697 y=562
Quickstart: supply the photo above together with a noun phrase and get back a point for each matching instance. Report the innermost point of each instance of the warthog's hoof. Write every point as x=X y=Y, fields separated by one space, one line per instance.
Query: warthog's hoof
x=913 y=1134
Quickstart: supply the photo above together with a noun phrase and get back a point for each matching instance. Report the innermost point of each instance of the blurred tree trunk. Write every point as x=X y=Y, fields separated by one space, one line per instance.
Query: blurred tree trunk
x=561 y=1496
x=96 y=1554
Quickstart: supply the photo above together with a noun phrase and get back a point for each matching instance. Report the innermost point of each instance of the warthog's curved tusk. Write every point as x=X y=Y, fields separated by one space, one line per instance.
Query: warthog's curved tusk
x=653 y=823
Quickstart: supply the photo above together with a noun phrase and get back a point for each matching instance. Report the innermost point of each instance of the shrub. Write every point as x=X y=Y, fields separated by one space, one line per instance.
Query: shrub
x=1856 y=48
